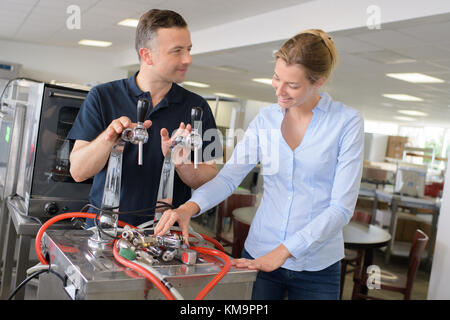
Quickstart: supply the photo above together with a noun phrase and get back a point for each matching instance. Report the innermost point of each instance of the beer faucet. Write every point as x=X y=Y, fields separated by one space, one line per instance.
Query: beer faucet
x=111 y=192
x=192 y=141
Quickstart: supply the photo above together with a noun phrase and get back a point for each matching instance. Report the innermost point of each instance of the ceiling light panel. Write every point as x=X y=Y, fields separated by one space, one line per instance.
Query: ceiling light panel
x=401 y=97
x=415 y=77
x=94 y=43
x=413 y=113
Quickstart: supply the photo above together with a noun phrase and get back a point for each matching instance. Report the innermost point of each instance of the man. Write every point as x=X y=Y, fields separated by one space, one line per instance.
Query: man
x=163 y=44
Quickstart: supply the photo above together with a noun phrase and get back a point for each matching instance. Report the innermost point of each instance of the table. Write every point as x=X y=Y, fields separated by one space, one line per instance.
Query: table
x=364 y=237
x=396 y=200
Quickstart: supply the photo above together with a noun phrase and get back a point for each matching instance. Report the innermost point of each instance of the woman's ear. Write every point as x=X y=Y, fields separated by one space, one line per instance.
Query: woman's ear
x=146 y=55
x=320 y=82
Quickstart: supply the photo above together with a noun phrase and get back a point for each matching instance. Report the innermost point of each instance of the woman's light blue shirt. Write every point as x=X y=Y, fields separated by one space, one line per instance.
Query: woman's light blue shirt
x=309 y=193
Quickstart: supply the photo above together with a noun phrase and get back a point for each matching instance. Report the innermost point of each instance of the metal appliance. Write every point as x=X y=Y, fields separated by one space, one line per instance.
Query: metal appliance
x=44 y=183
x=13 y=106
x=8 y=72
x=94 y=276
x=410 y=179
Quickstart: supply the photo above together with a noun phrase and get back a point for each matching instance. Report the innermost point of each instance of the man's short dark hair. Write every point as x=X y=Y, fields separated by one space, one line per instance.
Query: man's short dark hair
x=153 y=20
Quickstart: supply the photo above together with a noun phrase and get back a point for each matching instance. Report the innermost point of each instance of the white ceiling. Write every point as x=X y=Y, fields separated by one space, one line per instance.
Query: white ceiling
x=359 y=81
x=360 y=78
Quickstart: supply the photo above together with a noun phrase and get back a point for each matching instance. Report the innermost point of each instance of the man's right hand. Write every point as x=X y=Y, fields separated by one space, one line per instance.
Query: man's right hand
x=88 y=158
x=116 y=127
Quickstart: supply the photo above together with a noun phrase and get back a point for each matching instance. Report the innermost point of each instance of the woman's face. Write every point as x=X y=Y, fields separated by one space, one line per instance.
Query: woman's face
x=291 y=85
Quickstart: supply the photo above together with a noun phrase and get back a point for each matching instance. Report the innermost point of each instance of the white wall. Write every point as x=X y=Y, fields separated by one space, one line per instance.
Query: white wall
x=75 y=65
x=252 y=108
x=439 y=286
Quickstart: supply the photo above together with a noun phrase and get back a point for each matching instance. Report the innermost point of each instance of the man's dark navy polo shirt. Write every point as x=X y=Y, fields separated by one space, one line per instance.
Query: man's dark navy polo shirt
x=140 y=184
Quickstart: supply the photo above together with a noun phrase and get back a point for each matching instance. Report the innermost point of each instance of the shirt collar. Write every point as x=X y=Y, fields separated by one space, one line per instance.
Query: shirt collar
x=173 y=96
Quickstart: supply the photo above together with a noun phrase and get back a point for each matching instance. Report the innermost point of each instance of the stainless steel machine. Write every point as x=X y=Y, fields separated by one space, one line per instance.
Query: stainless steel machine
x=92 y=275
x=44 y=184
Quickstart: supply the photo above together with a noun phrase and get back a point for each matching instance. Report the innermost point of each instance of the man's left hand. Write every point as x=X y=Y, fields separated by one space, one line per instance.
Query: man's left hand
x=179 y=153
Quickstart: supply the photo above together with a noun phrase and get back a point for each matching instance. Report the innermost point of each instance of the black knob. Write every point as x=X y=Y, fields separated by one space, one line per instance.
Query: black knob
x=51 y=208
x=196 y=114
x=142 y=107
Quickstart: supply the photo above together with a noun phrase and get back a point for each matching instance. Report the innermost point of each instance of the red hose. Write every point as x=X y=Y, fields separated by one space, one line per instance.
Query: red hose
x=219 y=276
x=144 y=272
x=48 y=223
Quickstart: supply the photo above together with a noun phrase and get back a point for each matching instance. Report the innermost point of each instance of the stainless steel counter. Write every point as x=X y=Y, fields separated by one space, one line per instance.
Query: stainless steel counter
x=99 y=276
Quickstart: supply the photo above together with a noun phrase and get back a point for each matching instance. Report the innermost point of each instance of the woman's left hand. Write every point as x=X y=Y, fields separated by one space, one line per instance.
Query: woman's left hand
x=267 y=263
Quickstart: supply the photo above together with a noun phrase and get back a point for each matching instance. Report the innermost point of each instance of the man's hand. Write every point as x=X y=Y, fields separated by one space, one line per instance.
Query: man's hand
x=182 y=215
x=267 y=263
x=179 y=153
x=116 y=127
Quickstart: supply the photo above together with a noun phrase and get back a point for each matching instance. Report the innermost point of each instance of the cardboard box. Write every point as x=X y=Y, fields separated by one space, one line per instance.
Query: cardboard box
x=407 y=224
x=395 y=146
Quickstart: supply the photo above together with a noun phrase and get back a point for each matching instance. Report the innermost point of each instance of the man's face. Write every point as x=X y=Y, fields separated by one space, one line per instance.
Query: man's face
x=171 y=54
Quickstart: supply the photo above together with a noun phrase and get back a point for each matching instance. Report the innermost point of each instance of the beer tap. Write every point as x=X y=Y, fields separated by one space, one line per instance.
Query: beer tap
x=111 y=192
x=192 y=141
x=139 y=134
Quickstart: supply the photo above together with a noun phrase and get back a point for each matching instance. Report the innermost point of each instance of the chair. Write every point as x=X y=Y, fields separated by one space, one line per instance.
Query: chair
x=399 y=283
x=353 y=257
x=225 y=209
x=240 y=232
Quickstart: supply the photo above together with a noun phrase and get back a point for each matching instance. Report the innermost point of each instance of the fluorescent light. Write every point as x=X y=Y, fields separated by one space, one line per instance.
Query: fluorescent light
x=404 y=118
x=196 y=84
x=402 y=97
x=413 y=113
x=415 y=77
x=225 y=95
x=94 y=43
x=263 y=80
x=129 y=23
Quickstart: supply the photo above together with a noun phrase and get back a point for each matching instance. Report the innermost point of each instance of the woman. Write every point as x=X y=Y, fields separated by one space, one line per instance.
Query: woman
x=311 y=161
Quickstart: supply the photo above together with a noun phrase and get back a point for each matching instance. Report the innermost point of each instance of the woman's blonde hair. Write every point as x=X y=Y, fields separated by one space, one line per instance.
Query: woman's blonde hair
x=314 y=50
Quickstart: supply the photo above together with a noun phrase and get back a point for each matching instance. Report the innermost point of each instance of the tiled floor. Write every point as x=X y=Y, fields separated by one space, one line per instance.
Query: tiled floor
x=398 y=265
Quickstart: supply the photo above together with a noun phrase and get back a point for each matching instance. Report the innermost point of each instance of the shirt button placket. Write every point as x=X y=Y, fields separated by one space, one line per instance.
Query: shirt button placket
x=290 y=188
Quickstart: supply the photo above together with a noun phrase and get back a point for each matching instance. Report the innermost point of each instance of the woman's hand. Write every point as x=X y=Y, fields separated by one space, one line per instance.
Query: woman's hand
x=182 y=215
x=267 y=263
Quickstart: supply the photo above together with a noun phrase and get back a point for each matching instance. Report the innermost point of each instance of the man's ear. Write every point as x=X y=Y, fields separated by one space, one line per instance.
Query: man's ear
x=146 y=55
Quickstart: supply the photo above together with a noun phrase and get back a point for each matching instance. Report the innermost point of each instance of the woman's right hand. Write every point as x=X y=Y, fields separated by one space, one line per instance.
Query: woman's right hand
x=182 y=215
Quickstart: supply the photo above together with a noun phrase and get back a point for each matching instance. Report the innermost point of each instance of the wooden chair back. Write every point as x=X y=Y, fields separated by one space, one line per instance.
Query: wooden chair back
x=227 y=206
x=419 y=244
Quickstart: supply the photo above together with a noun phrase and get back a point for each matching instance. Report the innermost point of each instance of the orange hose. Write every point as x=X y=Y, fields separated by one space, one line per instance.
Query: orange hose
x=48 y=223
x=219 y=276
